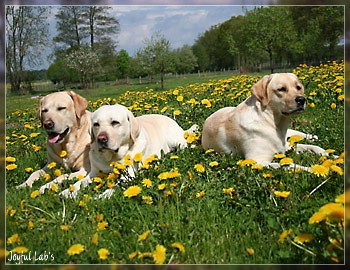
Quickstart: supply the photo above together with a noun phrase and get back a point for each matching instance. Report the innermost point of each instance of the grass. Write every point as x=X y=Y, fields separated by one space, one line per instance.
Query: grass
x=224 y=214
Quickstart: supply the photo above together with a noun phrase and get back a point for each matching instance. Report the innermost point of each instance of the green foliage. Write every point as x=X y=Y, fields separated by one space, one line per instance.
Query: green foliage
x=217 y=209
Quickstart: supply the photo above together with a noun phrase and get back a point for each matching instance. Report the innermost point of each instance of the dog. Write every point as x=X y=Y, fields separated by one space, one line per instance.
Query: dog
x=117 y=133
x=64 y=117
x=258 y=127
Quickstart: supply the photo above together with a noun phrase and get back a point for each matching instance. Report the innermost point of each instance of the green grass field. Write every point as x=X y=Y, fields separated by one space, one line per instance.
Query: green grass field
x=207 y=208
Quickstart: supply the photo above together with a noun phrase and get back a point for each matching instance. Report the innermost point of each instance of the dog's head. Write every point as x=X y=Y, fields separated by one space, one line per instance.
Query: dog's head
x=282 y=92
x=113 y=127
x=59 y=112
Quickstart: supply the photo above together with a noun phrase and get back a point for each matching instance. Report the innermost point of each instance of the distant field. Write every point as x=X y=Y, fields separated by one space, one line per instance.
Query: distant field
x=214 y=210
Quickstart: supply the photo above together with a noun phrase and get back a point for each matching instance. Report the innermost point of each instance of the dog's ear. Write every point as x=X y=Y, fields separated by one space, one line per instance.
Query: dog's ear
x=260 y=90
x=80 y=103
x=91 y=133
x=135 y=127
x=40 y=109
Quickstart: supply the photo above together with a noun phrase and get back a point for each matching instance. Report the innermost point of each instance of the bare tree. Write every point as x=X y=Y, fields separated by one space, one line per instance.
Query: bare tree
x=26 y=34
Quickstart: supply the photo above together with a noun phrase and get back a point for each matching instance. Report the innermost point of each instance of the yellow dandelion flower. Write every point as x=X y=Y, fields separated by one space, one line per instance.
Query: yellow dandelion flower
x=246 y=162
x=341 y=198
x=162 y=186
x=294 y=139
x=319 y=170
x=228 y=191
x=341 y=97
x=303 y=238
x=94 y=239
x=30 y=224
x=206 y=103
x=250 y=251
x=175 y=92
x=64 y=227
x=146 y=182
x=63 y=153
x=133 y=255
x=199 y=168
x=34 y=134
x=11 y=167
x=176 y=113
x=284 y=235
x=29 y=170
x=282 y=194
x=132 y=191
x=10 y=159
x=34 y=194
x=179 y=246
x=200 y=194
x=144 y=236
x=102 y=225
x=36 y=147
x=312 y=105
x=267 y=174
x=47 y=177
x=103 y=253
x=337 y=169
x=180 y=98
x=279 y=156
x=286 y=161
x=57 y=172
x=257 y=167
x=147 y=199
x=51 y=165
x=138 y=157
x=75 y=249
x=333 y=106
x=317 y=218
x=71 y=188
x=159 y=255
x=213 y=164
x=13 y=239
x=54 y=187
x=209 y=151
x=333 y=210
x=174 y=157
x=20 y=250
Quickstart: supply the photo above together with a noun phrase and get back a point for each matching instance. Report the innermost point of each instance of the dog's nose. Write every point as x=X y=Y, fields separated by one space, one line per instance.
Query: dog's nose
x=102 y=138
x=48 y=124
x=300 y=100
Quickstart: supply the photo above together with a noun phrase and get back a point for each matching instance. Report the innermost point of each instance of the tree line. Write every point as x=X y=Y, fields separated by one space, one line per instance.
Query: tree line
x=85 y=52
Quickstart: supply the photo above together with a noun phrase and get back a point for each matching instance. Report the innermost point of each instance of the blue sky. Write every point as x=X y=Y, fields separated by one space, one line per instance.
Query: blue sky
x=180 y=24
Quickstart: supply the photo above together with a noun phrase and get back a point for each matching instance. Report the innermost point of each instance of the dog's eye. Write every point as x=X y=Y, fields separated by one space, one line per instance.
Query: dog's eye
x=44 y=110
x=298 y=87
x=114 y=123
x=96 y=125
x=61 y=108
x=282 y=89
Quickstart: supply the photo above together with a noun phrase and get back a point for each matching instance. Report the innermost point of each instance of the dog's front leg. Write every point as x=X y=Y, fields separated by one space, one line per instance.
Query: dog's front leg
x=35 y=176
x=67 y=193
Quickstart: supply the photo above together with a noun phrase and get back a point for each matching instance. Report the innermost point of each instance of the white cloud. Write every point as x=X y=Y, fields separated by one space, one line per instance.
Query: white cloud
x=179 y=24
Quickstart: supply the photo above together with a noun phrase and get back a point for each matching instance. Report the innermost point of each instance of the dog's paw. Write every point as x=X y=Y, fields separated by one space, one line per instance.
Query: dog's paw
x=311 y=137
x=105 y=195
x=44 y=187
x=23 y=185
x=68 y=194
x=193 y=129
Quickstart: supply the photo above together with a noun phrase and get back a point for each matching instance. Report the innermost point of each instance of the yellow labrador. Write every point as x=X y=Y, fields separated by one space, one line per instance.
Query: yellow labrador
x=258 y=127
x=116 y=133
x=64 y=117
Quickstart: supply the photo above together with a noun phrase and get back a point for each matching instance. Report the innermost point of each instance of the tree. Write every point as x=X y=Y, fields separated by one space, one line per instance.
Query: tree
x=59 y=72
x=26 y=34
x=98 y=24
x=270 y=30
x=186 y=61
x=157 y=56
x=85 y=61
x=123 y=64
x=107 y=55
x=69 y=25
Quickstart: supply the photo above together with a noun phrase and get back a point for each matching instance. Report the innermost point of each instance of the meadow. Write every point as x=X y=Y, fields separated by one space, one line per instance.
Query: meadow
x=190 y=206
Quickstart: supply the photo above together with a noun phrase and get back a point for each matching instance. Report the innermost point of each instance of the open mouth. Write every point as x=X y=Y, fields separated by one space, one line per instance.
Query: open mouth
x=296 y=111
x=54 y=137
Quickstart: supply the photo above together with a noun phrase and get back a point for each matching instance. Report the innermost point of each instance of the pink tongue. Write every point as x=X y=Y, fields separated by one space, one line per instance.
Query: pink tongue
x=54 y=139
